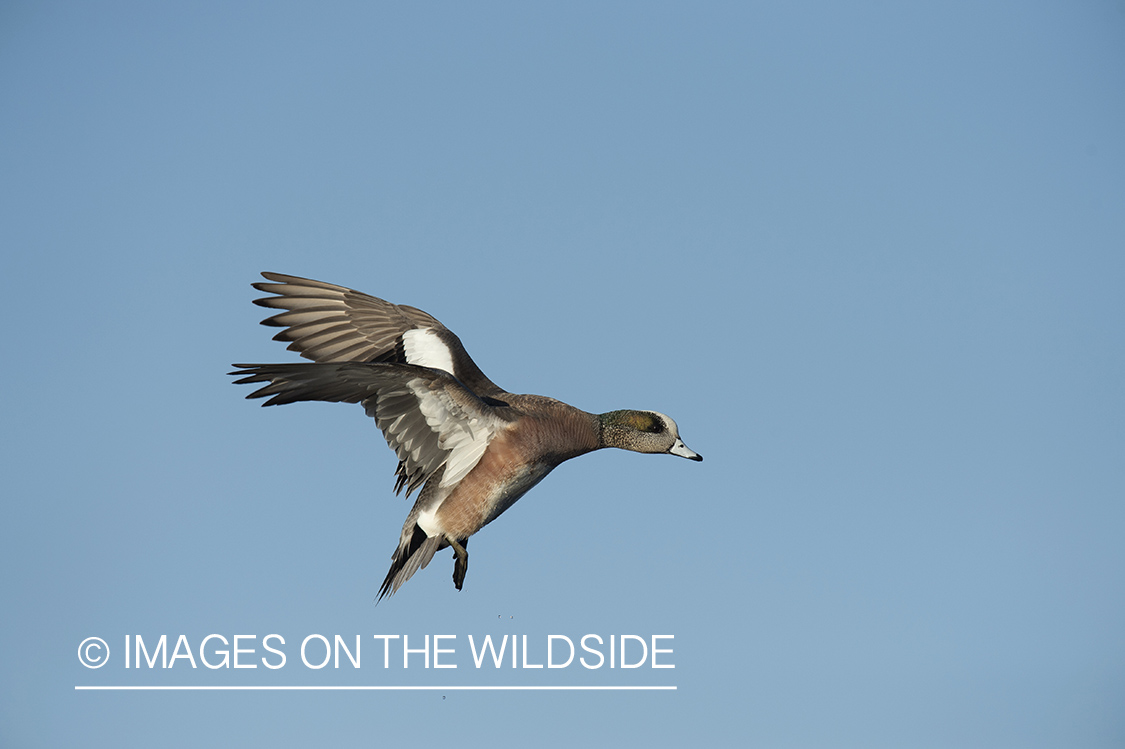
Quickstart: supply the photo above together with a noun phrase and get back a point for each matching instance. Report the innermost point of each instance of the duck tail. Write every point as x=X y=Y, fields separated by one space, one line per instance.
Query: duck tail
x=408 y=558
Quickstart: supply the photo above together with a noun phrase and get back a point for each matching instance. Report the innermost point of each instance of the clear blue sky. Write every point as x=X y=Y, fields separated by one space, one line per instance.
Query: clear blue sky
x=870 y=257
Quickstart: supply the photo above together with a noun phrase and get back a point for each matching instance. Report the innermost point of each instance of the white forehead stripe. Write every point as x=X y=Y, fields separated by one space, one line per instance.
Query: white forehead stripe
x=424 y=348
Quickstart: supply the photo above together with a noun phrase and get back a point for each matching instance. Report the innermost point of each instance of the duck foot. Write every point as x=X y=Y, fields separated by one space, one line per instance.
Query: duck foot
x=460 y=561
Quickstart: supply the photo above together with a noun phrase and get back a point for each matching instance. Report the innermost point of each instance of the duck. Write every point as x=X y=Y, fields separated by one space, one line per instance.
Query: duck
x=471 y=447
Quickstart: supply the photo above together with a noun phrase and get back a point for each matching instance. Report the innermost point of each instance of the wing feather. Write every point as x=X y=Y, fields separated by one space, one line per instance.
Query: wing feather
x=329 y=323
x=431 y=421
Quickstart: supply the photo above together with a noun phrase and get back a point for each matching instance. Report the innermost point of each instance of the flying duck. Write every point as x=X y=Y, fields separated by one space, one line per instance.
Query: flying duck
x=472 y=447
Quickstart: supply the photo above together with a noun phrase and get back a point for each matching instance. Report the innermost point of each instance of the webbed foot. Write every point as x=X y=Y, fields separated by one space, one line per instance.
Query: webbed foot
x=460 y=561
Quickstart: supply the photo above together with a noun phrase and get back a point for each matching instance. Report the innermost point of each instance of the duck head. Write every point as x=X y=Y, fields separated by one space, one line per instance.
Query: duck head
x=643 y=432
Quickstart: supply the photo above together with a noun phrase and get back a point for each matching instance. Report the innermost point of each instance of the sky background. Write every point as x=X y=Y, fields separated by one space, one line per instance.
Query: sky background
x=870 y=257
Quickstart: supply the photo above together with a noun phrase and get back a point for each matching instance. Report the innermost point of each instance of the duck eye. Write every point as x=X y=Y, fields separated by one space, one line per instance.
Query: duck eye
x=655 y=427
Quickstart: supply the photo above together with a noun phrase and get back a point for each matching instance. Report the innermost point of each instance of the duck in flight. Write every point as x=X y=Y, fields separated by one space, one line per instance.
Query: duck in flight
x=472 y=447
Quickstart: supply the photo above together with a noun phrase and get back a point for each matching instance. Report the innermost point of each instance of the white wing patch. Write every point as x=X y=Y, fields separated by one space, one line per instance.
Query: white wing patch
x=465 y=436
x=424 y=348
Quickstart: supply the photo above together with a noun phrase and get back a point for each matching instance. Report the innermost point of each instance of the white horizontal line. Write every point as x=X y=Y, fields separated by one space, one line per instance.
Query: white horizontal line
x=365 y=688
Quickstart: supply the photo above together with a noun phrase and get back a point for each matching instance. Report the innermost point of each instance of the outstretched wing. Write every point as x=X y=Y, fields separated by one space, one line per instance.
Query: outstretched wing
x=329 y=323
x=429 y=419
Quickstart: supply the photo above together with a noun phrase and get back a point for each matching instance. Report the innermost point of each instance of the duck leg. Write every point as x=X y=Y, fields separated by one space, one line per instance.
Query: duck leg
x=460 y=561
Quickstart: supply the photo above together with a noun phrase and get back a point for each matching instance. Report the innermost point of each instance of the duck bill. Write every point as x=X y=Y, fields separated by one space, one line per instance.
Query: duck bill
x=684 y=451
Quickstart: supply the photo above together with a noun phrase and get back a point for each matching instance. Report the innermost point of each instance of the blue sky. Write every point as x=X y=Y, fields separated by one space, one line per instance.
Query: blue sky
x=869 y=257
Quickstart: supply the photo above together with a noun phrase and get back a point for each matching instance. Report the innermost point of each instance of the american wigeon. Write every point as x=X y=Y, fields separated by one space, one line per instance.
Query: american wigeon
x=473 y=447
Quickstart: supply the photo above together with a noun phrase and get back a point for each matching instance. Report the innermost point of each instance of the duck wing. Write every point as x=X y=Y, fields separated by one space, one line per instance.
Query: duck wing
x=328 y=323
x=431 y=421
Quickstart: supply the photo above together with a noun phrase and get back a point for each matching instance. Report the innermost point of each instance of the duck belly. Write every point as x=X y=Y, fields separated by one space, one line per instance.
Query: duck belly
x=482 y=496
x=506 y=494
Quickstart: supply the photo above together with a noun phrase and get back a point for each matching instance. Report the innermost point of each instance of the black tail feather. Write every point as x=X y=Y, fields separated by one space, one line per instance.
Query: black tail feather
x=408 y=559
